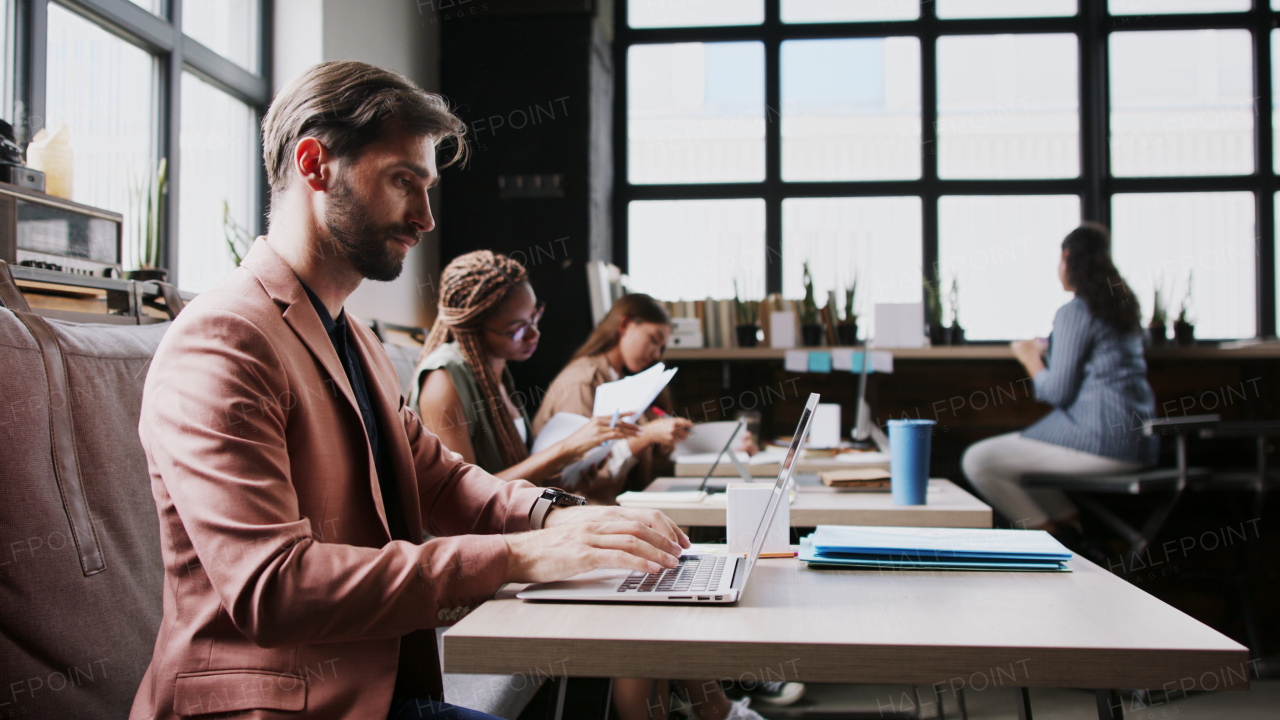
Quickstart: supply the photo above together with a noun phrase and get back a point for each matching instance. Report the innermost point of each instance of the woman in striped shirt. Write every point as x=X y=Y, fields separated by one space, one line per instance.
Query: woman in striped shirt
x=1092 y=371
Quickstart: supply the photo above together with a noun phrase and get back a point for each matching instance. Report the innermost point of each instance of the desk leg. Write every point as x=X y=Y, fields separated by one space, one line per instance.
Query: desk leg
x=563 y=687
x=1110 y=705
x=1024 y=704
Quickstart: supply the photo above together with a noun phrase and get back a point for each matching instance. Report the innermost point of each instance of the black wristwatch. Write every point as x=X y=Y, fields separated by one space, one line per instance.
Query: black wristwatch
x=551 y=498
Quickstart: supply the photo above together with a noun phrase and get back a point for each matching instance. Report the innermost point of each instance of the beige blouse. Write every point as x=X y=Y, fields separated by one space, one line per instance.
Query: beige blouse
x=574 y=389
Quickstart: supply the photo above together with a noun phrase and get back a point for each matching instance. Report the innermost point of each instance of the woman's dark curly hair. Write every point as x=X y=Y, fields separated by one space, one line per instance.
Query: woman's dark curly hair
x=1096 y=281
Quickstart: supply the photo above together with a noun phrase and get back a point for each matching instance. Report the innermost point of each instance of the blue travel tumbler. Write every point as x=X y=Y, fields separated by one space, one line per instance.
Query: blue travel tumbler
x=909 y=446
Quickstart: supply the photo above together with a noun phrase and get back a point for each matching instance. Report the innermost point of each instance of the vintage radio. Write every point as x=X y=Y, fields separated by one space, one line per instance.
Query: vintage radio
x=40 y=230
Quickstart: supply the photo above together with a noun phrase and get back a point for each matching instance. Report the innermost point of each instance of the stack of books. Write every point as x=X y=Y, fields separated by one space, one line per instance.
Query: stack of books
x=866 y=479
x=934 y=549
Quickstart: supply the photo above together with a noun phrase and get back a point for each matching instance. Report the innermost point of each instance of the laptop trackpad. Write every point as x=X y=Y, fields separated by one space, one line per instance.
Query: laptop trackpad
x=606 y=578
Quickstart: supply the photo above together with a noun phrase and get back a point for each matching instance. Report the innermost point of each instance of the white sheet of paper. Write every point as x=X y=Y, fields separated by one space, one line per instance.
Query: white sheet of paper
x=632 y=395
x=706 y=458
x=797 y=361
x=899 y=325
x=560 y=426
x=825 y=432
x=764 y=457
x=782 y=329
x=707 y=437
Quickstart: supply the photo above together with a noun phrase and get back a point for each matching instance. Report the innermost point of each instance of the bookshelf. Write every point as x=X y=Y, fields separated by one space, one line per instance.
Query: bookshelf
x=1207 y=351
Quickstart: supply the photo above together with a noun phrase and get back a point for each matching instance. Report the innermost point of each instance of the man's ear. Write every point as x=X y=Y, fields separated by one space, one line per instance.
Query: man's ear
x=313 y=163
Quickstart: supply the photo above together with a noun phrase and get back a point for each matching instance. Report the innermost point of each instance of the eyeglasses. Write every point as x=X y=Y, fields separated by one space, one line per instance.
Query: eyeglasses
x=531 y=324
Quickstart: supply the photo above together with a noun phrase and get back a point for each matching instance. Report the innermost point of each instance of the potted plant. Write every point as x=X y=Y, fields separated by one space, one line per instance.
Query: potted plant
x=238 y=239
x=748 y=314
x=810 y=323
x=847 y=330
x=1159 y=318
x=1184 y=333
x=144 y=232
x=933 y=313
x=955 y=333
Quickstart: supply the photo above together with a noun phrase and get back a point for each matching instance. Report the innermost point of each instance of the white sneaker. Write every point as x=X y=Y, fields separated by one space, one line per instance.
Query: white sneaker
x=778 y=694
x=741 y=710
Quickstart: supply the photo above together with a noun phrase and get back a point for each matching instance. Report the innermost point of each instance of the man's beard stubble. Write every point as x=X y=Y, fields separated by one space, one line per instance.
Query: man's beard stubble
x=360 y=240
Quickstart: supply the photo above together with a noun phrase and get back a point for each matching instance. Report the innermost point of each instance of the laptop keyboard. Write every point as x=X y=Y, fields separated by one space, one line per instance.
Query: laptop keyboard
x=693 y=574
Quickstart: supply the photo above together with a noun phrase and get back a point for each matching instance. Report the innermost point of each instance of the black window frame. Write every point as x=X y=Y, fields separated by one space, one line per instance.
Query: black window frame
x=1095 y=186
x=175 y=52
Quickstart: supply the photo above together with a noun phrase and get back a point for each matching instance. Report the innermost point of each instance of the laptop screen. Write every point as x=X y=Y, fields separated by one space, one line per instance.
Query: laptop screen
x=780 y=487
x=728 y=443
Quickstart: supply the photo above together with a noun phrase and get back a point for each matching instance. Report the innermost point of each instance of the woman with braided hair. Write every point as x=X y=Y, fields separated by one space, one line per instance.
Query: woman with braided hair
x=488 y=316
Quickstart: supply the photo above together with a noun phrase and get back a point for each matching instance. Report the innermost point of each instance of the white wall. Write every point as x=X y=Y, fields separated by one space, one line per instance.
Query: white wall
x=391 y=34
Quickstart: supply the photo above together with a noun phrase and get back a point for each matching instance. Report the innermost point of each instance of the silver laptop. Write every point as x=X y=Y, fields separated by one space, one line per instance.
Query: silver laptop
x=698 y=578
x=722 y=485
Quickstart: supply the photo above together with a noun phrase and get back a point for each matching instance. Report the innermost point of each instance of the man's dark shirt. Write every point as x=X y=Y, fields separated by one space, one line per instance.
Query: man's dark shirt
x=338 y=334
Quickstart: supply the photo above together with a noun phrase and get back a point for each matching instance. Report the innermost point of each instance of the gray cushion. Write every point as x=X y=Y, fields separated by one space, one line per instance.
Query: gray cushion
x=76 y=645
x=405 y=359
x=503 y=695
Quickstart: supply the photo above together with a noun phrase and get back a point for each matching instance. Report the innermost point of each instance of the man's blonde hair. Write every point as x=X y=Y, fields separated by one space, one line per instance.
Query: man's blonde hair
x=347 y=105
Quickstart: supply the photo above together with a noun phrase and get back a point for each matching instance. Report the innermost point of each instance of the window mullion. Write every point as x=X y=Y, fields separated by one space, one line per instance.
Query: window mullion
x=32 y=58
x=1094 y=114
x=170 y=126
x=1264 y=139
x=930 y=189
x=773 y=190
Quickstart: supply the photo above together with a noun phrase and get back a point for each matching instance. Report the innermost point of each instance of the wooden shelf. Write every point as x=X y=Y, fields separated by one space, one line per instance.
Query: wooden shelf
x=1263 y=350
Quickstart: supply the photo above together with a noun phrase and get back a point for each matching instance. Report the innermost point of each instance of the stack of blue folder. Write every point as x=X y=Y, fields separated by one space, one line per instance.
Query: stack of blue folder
x=934 y=549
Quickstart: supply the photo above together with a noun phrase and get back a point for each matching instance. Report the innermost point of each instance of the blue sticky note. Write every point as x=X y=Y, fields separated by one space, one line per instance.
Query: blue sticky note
x=819 y=362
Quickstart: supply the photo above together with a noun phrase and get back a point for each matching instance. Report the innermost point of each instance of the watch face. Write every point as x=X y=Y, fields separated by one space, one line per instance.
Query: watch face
x=559 y=498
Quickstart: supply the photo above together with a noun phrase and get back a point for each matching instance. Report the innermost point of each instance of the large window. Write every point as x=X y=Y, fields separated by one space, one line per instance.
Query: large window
x=137 y=82
x=102 y=88
x=952 y=140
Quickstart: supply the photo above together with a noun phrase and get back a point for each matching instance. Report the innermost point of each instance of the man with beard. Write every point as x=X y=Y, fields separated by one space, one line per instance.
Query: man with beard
x=293 y=484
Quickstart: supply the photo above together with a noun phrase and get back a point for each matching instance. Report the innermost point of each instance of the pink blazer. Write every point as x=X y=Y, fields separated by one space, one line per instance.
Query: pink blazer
x=284 y=593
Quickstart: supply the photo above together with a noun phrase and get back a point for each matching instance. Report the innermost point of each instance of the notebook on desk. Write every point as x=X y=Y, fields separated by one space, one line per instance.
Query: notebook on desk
x=699 y=578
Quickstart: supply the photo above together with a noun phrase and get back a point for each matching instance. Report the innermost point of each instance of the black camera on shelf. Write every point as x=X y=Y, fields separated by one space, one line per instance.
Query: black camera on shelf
x=12 y=170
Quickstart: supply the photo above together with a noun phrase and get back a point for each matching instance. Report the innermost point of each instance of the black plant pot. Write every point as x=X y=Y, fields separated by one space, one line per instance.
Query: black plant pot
x=1158 y=334
x=955 y=335
x=811 y=335
x=143 y=274
x=847 y=334
x=1184 y=333
x=747 y=335
x=939 y=334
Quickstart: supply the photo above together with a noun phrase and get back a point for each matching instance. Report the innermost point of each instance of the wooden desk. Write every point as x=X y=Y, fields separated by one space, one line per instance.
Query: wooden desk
x=806 y=464
x=1085 y=629
x=948 y=506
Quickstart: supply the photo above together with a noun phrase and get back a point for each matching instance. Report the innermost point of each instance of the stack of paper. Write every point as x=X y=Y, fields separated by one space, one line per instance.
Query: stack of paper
x=631 y=396
x=560 y=426
x=628 y=397
x=934 y=549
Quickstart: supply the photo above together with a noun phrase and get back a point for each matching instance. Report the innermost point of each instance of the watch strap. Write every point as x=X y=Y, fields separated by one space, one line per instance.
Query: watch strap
x=538 y=514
